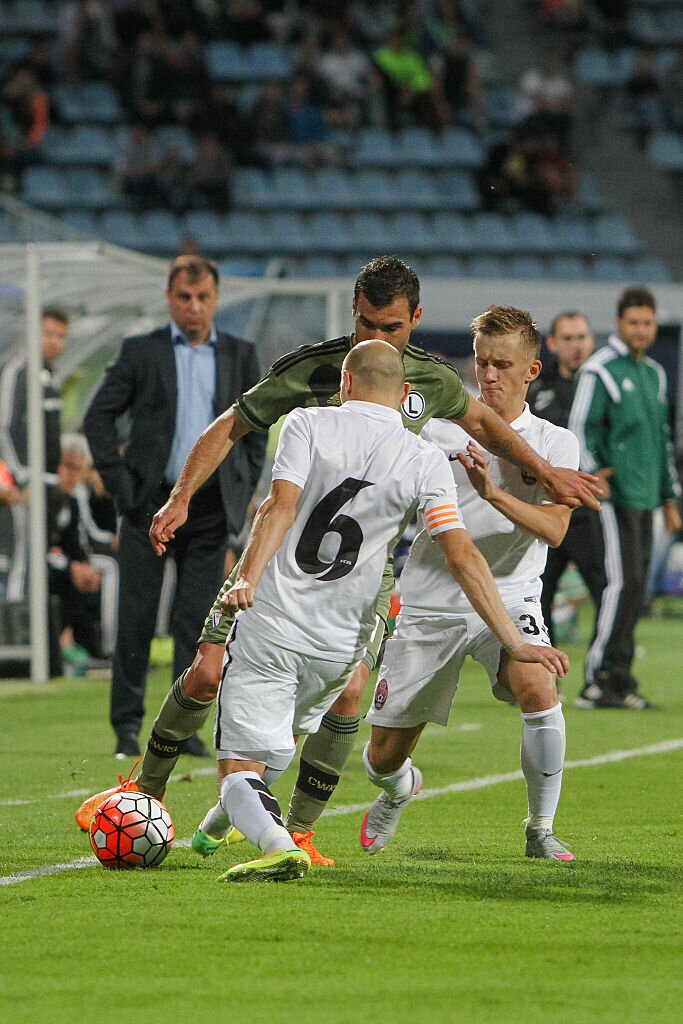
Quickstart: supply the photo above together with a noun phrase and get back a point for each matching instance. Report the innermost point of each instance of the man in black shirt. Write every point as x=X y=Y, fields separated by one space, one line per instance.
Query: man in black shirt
x=550 y=396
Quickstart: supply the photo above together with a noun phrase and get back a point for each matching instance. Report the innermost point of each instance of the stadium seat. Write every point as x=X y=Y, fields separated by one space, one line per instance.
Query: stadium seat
x=46 y=187
x=252 y=188
x=243 y=267
x=572 y=236
x=174 y=135
x=84 y=144
x=368 y=230
x=609 y=268
x=374 y=147
x=461 y=148
x=246 y=233
x=445 y=266
x=226 y=61
x=313 y=266
x=208 y=228
x=567 y=268
x=161 y=231
x=451 y=233
x=590 y=199
x=410 y=231
x=376 y=189
x=486 y=267
x=91 y=101
x=122 y=228
x=334 y=188
x=528 y=268
x=329 y=233
x=533 y=233
x=491 y=233
x=614 y=236
x=418 y=147
x=288 y=233
x=267 y=60
x=29 y=18
x=650 y=270
x=416 y=190
x=456 y=190
x=90 y=189
x=84 y=221
x=595 y=67
x=292 y=188
x=500 y=105
x=665 y=151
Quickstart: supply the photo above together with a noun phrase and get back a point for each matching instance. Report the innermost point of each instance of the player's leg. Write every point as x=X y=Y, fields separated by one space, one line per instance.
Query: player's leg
x=388 y=766
x=542 y=751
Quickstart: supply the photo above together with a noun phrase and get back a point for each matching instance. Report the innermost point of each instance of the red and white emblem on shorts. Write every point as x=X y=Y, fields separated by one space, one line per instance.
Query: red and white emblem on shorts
x=381 y=694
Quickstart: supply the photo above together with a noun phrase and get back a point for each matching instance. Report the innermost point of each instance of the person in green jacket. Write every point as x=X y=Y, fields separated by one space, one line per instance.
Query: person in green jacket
x=620 y=416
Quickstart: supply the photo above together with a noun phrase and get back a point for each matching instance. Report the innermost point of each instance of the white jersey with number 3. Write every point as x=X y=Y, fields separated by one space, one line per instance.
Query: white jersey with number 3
x=363 y=476
x=516 y=558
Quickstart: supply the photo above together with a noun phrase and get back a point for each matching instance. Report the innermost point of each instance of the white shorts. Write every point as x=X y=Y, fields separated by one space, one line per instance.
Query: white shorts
x=269 y=694
x=419 y=675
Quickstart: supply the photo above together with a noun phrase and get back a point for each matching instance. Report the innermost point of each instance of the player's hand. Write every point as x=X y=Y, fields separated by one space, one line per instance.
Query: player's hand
x=166 y=521
x=672 y=517
x=239 y=597
x=474 y=463
x=533 y=654
x=603 y=476
x=573 y=488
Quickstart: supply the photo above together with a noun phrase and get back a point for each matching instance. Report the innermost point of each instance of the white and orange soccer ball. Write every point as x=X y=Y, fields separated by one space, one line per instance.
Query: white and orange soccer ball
x=131 y=830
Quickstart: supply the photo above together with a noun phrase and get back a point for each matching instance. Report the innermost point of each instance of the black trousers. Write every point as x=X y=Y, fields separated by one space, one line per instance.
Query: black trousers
x=582 y=545
x=199 y=552
x=626 y=543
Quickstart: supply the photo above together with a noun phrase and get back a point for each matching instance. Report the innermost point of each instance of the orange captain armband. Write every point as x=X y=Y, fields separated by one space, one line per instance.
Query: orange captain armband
x=442 y=517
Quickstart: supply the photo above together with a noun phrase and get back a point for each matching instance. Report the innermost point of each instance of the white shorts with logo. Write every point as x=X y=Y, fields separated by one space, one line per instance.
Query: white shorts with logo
x=419 y=675
x=269 y=694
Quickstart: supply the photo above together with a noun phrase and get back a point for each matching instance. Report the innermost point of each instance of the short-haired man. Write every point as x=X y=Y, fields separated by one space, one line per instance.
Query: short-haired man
x=345 y=482
x=620 y=415
x=512 y=524
x=386 y=306
x=550 y=396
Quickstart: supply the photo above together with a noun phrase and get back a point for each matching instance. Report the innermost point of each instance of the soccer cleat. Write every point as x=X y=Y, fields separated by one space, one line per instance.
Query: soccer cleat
x=279 y=866
x=127 y=746
x=304 y=840
x=594 y=697
x=205 y=844
x=85 y=812
x=382 y=817
x=543 y=844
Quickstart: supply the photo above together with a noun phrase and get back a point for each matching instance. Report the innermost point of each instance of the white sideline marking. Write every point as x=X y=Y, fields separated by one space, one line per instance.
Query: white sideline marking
x=73 y=794
x=611 y=757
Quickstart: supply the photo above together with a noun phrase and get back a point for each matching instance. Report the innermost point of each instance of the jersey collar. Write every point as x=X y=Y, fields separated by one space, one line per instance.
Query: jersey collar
x=373 y=409
x=523 y=420
x=615 y=342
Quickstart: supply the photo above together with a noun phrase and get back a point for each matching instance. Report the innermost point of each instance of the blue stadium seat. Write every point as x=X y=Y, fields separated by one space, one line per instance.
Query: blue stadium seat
x=418 y=147
x=665 y=151
x=87 y=102
x=461 y=148
x=528 y=268
x=161 y=231
x=590 y=199
x=486 y=267
x=174 y=135
x=246 y=233
x=573 y=237
x=491 y=233
x=29 y=18
x=410 y=231
x=84 y=144
x=533 y=233
x=46 y=187
x=288 y=233
x=226 y=61
x=252 y=188
x=650 y=270
x=374 y=147
x=120 y=227
x=500 y=105
x=209 y=229
x=451 y=233
x=376 y=189
x=567 y=268
x=614 y=236
x=595 y=67
x=313 y=266
x=84 y=221
x=416 y=190
x=445 y=266
x=267 y=60
x=293 y=188
x=243 y=267
x=329 y=233
x=368 y=230
x=90 y=189
x=335 y=189
x=457 y=191
x=609 y=268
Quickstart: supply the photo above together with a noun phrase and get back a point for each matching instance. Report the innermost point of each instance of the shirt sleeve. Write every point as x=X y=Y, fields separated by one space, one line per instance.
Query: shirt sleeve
x=293 y=456
x=438 y=500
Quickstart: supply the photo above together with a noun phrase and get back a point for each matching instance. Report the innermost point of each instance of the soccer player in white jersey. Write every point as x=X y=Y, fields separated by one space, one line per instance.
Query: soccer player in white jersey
x=510 y=520
x=345 y=482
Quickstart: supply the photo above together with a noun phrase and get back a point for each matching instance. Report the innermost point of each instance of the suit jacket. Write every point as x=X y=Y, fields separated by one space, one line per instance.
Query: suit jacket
x=141 y=382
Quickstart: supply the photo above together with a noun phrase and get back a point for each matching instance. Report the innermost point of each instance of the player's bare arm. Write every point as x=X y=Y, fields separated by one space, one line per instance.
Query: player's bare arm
x=207 y=453
x=274 y=517
x=564 y=486
x=470 y=569
x=547 y=522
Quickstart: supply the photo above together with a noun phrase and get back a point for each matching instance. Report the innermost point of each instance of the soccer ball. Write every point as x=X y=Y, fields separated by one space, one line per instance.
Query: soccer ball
x=131 y=830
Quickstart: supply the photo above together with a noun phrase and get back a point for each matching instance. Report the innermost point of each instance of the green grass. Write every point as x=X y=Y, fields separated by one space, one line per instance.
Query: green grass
x=449 y=923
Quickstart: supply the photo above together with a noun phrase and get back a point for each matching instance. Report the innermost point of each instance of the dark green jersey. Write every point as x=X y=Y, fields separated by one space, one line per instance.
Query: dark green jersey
x=309 y=376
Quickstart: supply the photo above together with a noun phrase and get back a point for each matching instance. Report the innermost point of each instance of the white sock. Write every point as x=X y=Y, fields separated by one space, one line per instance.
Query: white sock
x=253 y=809
x=542 y=756
x=216 y=823
x=397 y=785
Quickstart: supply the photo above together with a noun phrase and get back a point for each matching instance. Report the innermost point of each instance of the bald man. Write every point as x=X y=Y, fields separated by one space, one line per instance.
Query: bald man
x=305 y=597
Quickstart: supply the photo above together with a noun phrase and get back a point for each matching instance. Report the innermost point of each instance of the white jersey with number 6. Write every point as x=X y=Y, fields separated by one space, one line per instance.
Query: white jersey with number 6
x=515 y=556
x=363 y=476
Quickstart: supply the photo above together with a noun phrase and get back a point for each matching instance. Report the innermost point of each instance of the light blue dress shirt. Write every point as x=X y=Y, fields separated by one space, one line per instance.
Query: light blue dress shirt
x=196 y=393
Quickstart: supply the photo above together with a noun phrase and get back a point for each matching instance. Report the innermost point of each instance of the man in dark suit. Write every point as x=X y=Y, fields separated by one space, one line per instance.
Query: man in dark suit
x=171 y=383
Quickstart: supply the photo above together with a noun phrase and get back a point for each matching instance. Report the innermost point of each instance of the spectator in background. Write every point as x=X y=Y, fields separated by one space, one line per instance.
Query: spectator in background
x=461 y=85
x=189 y=77
x=408 y=84
x=29 y=108
x=620 y=415
x=555 y=170
x=137 y=166
x=210 y=177
x=672 y=92
x=511 y=179
x=220 y=113
x=173 y=181
x=545 y=100
x=308 y=132
x=270 y=124
x=570 y=342
x=146 y=79
x=87 y=37
x=344 y=71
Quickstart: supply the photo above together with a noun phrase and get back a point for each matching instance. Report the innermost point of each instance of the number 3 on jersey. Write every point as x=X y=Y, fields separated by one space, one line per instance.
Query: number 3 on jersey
x=324 y=519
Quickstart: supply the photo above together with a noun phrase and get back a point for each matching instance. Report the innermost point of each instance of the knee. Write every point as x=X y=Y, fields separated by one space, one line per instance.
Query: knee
x=202 y=678
x=348 y=701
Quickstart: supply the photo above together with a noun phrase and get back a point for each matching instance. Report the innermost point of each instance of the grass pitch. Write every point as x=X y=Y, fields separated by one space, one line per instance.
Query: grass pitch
x=450 y=923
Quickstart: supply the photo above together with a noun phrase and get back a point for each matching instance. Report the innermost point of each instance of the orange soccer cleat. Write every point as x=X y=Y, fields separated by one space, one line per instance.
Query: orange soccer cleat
x=85 y=812
x=304 y=840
